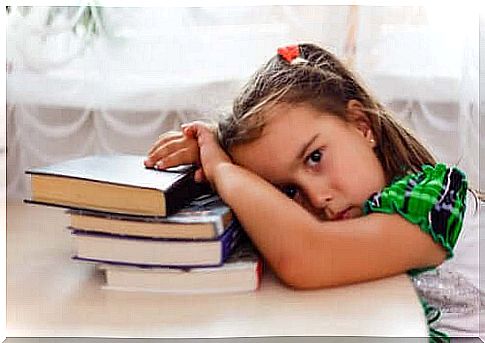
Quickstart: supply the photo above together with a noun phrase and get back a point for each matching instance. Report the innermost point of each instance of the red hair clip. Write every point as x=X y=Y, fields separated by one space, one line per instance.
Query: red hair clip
x=291 y=54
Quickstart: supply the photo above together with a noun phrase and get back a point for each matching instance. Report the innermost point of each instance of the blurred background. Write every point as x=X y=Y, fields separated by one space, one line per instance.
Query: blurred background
x=90 y=79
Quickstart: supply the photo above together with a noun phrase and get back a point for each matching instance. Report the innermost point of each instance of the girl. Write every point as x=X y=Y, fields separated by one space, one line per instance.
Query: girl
x=330 y=188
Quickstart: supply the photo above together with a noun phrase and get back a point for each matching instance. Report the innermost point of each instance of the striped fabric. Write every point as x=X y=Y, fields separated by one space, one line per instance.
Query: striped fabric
x=434 y=199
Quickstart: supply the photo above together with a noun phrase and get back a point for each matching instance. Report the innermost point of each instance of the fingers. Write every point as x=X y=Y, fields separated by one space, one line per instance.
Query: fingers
x=173 y=153
x=188 y=130
x=173 y=142
x=193 y=129
x=178 y=157
x=179 y=147
x=199 y=175
x=165 y=138
x=200 y=131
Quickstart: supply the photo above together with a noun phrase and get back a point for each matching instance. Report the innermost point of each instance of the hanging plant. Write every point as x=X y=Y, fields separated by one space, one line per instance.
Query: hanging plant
x=82 y=20
x=88 y=19
x=49 y=37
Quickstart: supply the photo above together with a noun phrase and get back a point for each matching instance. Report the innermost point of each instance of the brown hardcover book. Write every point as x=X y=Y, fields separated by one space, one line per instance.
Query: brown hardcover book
x=114 y=184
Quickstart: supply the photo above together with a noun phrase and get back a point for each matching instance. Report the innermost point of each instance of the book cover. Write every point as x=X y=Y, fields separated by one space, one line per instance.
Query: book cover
x=240 y=273
x=205 y=217
x=115 y=249
x=115 y=184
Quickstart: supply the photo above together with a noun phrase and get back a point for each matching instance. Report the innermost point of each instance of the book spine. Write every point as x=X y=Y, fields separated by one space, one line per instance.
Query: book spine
x=144 y=265
x=182 y=192
x=230 y=239
x=218 y=226
x=82 y=232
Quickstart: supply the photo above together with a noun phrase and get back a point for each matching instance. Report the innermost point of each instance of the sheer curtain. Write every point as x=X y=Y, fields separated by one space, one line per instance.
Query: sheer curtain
x=432 y=53
x=74 y=90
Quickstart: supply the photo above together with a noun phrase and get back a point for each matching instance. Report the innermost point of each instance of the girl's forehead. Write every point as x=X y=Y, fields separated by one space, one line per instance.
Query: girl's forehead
x=287 y=111
x=290 y=121
x=284 y=136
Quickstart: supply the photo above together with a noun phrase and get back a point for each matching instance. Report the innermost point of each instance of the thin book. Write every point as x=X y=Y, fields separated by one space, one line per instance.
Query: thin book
x=205 y=217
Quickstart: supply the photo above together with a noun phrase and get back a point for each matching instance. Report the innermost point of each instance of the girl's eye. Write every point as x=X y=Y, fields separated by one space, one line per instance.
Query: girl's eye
x=290 y=191
x=314 y=158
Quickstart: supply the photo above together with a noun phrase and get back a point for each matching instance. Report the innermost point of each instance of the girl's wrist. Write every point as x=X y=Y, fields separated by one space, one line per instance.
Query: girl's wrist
x=221 y=179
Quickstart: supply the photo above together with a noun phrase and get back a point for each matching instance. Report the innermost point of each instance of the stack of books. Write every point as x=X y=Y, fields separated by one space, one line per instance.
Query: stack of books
x=147 y=229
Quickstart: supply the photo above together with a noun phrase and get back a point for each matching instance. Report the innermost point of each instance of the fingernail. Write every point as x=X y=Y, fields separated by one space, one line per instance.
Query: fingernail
x=159 y=164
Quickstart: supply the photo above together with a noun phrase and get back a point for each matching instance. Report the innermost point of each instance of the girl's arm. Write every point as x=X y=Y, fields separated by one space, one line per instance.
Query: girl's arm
x=303 y=251
x=308 y=253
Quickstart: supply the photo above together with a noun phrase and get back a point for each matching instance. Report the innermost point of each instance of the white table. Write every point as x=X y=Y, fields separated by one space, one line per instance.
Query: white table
x=50 y=295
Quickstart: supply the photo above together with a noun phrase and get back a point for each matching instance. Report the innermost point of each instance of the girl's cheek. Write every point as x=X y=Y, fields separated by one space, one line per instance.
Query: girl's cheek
x=306 y=205
x=300 y=200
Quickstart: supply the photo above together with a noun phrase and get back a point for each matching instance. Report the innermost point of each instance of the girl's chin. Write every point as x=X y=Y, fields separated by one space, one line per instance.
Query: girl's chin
x=353 y=212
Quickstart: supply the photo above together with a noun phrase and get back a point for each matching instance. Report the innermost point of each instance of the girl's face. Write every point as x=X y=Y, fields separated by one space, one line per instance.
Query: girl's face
x=322 y=162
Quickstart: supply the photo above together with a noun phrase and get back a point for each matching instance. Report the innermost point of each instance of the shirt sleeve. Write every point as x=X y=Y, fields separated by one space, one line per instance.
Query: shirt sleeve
x=434 y=199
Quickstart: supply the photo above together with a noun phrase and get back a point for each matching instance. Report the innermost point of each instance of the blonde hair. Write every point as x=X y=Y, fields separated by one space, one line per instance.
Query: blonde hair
x=325 y=83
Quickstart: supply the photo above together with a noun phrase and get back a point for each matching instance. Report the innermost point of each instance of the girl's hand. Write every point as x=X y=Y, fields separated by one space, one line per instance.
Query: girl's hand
x=174 y=148
x=211 y=155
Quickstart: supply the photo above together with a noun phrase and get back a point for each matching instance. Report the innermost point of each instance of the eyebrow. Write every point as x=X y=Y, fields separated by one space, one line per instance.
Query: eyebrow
x=305 y=147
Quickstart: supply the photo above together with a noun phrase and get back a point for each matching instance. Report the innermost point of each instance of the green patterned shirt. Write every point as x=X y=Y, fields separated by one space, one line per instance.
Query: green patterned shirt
x=434 y=199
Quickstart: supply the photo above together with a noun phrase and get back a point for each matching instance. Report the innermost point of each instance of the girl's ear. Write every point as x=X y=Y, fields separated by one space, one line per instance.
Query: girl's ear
x=358 y=118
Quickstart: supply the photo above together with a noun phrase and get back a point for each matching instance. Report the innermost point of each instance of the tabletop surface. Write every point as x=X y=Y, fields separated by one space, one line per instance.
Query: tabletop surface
x=48 y=294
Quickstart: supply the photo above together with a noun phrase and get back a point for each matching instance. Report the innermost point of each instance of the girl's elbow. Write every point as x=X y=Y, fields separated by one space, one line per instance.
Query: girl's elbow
x=296 y=274
x=428 y=253
x=434 y=256
x=286 y=270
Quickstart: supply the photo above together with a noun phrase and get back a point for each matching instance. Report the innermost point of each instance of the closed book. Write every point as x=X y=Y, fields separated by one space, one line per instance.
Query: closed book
x=114 y=183
x=205 y=217
x=101 y=247
x=240 y=273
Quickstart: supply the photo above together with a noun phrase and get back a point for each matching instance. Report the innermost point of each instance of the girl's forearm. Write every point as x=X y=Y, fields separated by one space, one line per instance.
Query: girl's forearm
x=279 y=227
x=307 y=253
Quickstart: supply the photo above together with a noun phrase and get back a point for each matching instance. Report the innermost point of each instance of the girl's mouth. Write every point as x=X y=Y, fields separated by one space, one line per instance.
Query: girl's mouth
x=345 y=214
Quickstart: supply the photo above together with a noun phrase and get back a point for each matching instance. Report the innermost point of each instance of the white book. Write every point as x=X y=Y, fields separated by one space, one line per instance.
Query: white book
x=241 y=273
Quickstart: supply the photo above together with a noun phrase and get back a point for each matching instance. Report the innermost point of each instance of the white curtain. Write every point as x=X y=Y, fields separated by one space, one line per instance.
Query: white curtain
x=147 y=70
x=482 y=102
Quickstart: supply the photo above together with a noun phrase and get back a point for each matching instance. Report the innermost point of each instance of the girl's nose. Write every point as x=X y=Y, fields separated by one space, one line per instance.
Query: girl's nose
x=319 y=197
x=320 y=200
